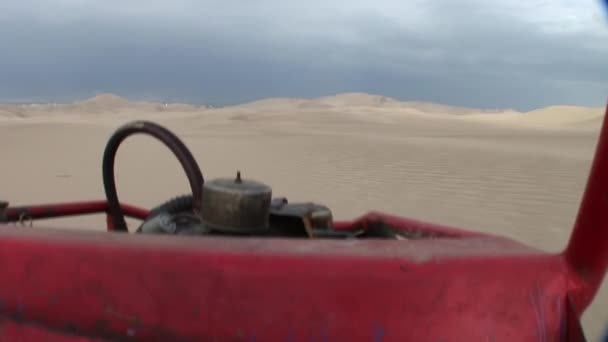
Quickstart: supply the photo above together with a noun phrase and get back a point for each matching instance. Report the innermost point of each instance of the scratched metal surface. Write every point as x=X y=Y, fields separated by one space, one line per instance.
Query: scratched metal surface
x=413 y=250
x=171 y=289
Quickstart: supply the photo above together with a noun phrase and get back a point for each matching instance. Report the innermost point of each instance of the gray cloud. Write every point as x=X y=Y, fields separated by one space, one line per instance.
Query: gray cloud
x=466 y=52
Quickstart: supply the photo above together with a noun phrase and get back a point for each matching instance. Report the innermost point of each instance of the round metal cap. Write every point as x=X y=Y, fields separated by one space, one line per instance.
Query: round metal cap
x=235 y=205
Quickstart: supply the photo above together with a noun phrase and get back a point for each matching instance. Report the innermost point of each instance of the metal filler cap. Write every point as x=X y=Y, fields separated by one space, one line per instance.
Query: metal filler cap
x=235 y=205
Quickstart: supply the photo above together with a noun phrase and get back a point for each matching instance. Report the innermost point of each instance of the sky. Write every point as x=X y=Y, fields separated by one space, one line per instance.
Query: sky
x=520 y=54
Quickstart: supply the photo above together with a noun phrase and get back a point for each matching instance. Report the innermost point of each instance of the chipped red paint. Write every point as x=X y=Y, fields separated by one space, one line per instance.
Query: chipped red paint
x=451 y=285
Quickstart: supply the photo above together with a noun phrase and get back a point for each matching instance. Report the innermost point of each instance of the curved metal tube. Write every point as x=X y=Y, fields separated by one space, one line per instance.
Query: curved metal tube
x=191 y=168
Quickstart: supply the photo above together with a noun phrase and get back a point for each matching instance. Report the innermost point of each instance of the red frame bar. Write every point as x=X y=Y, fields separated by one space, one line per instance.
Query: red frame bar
x=45 y=211
x=172 y=288
x=55 y=210
x=587 y=249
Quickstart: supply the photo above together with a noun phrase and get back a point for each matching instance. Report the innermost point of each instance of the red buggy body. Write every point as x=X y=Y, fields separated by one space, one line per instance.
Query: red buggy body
x=436 y=284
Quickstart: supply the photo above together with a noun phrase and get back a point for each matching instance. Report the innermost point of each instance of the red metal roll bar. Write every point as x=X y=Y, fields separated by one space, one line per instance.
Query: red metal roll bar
x=587 y=250
x=55 y=210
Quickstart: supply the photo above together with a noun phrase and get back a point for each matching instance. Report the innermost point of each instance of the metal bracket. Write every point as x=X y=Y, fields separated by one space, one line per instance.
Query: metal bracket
x=3 y=206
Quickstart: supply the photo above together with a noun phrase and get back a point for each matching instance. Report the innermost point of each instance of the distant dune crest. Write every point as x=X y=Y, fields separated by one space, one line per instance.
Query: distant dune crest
x=362 y=104
x=359 y=99
x=105 y=100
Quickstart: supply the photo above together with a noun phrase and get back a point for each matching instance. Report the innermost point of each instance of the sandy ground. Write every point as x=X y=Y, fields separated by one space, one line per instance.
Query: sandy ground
x=500 y=171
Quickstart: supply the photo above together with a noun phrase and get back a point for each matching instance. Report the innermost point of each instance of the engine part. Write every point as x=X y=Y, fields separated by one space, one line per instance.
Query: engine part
x=176 y=206
x=301 y=219
x=236 y=205
x=306 y=220
x=176 y=224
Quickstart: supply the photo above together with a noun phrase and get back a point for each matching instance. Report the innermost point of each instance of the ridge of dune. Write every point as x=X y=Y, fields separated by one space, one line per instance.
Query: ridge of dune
x=561 y=116
x=565 y=114
x=345 y=101
x=103 y=103
x=430 y=107
x=282 y=103
x=109 y=100
x=99 y=104
x=370 y=107
x=358 y=99
x=556 y=116
x=105 y=100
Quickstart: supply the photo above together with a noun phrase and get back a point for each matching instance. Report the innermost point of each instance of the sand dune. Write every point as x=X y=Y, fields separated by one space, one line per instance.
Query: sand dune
x=549 y=117
x=364 y=106
x=564 y=115
x=359 y=100
x=516 y=174
x=105 y=100
x=102 y=104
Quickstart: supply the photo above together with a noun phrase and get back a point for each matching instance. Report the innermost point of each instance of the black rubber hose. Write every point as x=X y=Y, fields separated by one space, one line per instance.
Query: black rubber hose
x=193 y=172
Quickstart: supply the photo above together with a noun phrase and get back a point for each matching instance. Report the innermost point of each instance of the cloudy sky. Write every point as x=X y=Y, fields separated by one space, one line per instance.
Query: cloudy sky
x=500 y=53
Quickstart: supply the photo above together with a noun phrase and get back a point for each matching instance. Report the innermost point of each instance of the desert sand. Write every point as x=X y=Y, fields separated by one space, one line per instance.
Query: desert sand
x=501 y=171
